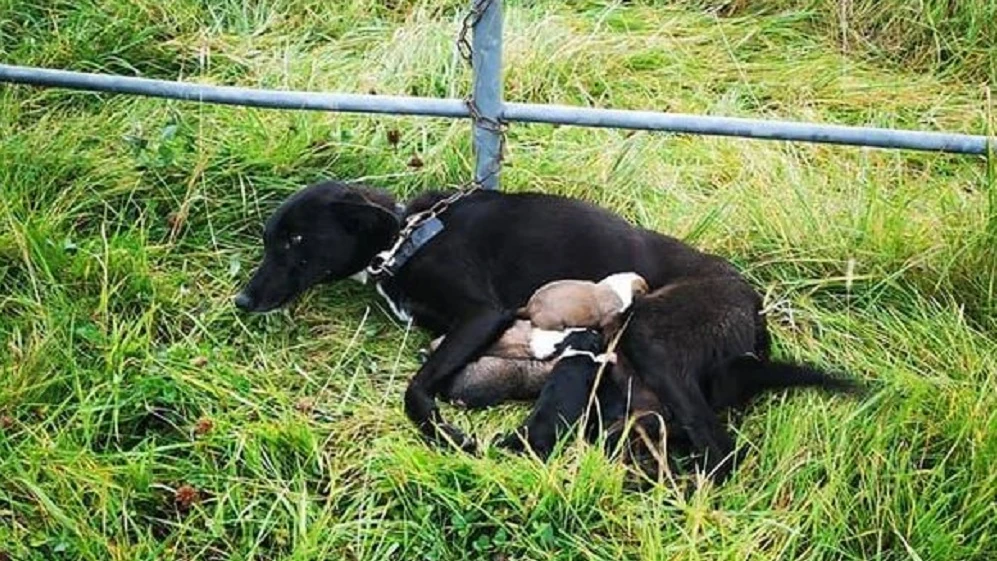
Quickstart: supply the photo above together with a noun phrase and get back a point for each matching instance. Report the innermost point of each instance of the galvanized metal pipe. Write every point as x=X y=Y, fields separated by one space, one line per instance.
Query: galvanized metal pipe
x=228 y=95
x=749 y=128
x=486 y=60
x=518 y=112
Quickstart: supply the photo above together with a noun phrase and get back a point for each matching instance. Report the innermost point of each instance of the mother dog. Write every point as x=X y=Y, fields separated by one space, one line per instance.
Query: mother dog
x=466 y=273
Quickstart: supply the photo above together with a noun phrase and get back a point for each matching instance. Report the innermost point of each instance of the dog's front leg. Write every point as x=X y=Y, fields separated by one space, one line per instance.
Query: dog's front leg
x=461 y=345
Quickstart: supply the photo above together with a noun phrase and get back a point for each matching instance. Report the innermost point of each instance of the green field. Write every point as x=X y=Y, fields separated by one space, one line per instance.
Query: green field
x=126 y=225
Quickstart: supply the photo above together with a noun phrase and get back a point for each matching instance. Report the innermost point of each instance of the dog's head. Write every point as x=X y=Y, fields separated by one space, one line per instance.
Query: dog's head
x=323 y=233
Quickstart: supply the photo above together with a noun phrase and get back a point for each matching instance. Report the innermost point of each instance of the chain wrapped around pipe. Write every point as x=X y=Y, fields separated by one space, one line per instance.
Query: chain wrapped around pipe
x=466 y=51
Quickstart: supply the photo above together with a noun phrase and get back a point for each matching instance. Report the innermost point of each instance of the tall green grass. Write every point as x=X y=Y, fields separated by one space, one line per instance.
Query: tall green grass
x=141 y=417
x=956 y=38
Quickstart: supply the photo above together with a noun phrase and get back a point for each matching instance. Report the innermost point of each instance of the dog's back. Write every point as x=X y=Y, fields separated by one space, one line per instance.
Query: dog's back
x=508 y=245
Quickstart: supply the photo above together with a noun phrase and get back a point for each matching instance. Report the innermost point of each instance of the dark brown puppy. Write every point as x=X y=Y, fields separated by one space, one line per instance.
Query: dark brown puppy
x=564 y=397
x=491 y=380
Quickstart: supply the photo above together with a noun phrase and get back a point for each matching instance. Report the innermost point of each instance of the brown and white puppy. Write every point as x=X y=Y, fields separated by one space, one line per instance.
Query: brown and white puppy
x=564 y=304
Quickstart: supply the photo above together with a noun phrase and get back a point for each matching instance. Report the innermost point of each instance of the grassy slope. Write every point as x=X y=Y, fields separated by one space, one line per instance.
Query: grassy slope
x=126 y=224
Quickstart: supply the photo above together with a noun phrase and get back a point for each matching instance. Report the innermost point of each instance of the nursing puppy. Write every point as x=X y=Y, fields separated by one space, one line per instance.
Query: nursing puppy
x=517 y=364
x=491 y=380
x=564 y=397
x=507 y=371
x=562 y=305
x=577 y=303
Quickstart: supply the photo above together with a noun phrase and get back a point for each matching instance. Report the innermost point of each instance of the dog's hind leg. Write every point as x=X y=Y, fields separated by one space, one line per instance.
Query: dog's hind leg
x=670 y=373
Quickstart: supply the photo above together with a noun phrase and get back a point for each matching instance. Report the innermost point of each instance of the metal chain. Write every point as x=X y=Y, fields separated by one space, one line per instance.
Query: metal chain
x=495 y=125
x=466 y=51
x=383 y=260
x=471 y=18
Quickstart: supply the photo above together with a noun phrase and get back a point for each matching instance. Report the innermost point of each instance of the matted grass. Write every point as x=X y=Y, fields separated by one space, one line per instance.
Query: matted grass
x=129 y=382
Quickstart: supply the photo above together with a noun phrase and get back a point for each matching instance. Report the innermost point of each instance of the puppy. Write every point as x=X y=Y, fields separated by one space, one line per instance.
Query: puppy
x=576 y=303
x=514 y=342
x=564 y=397
x=510 y=370
x=516 y=366
x=491 y=380
x=558 y=307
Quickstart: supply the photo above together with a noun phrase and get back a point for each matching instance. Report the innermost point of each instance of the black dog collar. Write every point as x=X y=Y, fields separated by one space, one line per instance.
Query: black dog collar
x=419 y=229
x=411 y=244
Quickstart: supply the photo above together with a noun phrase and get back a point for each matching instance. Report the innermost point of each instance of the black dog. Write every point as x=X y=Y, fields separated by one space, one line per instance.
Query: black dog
x=494 y=251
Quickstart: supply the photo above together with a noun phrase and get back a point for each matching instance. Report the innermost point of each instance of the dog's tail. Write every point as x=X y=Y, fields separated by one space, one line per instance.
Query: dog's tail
x=752 y=376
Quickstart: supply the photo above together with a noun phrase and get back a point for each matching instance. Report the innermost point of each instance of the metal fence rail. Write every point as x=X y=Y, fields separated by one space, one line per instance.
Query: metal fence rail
x=488 y=111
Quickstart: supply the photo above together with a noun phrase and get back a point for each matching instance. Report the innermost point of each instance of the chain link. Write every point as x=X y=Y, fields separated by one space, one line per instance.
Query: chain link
x=494 y=125
x=471 y=18
x=383 y=260
x=466 y=51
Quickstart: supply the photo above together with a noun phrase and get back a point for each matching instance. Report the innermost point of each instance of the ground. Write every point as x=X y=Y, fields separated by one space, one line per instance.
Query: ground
x=142 y=417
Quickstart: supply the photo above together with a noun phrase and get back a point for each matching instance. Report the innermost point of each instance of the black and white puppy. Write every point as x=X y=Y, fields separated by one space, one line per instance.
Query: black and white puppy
x=565 y=396
x=494 y=251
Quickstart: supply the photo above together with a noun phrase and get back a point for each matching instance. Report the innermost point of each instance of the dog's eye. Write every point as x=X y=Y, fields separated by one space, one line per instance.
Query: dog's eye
x=295 y=239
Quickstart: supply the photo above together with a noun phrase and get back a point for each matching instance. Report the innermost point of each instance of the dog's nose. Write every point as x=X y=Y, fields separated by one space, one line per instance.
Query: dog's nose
x=243 y=301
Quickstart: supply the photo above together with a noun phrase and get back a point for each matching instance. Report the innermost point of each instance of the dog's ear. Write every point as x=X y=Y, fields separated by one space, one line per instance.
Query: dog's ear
x=365 y=218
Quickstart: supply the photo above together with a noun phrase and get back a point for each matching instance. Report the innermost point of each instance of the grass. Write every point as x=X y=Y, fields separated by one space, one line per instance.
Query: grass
x=955 y=38
x=141 y=417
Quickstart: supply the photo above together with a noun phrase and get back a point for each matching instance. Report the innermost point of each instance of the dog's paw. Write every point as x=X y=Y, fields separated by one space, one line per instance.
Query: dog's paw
x=514 y=442
x=520 y=441
x=455 y=437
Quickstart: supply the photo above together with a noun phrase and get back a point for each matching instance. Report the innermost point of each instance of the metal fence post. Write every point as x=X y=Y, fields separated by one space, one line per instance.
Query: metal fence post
x=486 y=64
